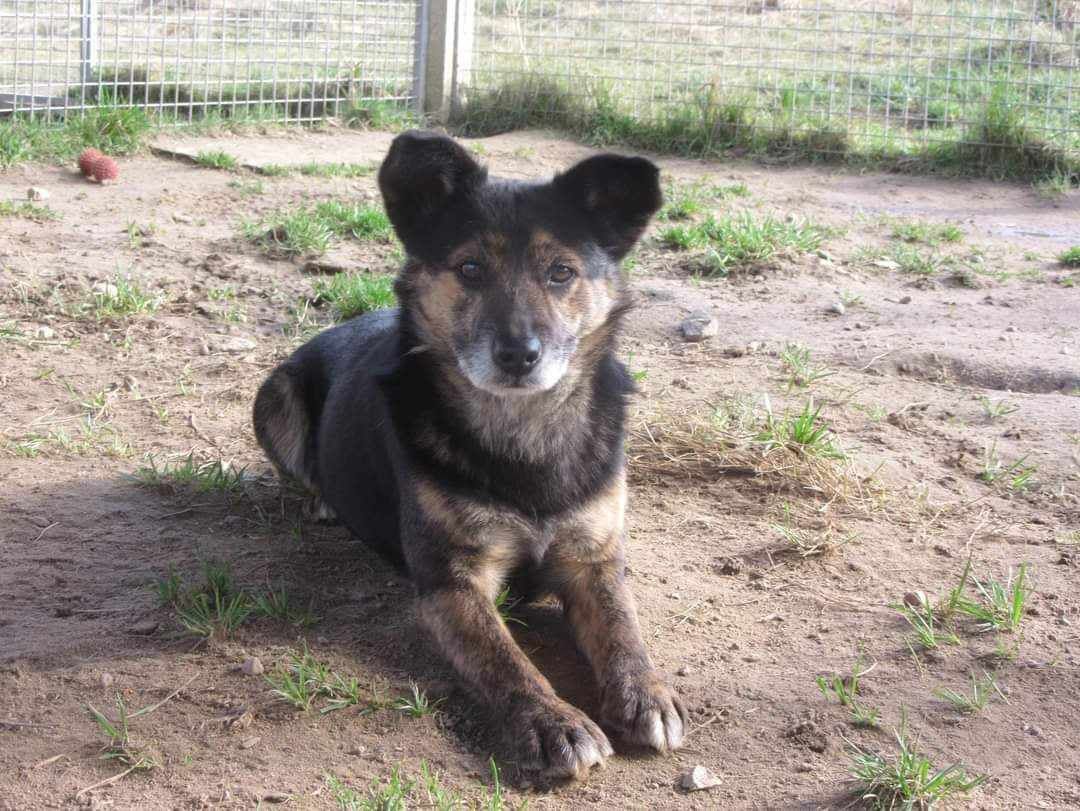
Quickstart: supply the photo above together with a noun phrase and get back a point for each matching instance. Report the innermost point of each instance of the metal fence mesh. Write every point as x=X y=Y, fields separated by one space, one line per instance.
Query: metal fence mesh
x=183 y=56
x=883 y=76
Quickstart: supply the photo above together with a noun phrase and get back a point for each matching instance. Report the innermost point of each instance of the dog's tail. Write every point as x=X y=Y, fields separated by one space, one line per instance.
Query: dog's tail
x=284 y=424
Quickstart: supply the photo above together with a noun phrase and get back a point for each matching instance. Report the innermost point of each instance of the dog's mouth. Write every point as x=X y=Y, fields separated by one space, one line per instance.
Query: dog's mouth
x=484 y=375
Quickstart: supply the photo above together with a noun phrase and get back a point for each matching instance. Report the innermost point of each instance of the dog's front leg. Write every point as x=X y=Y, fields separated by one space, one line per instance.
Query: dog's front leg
x=636 y=700
x=548 y=734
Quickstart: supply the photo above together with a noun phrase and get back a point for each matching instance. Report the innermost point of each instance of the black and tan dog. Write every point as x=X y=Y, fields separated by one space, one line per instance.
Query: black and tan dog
x=475 y=434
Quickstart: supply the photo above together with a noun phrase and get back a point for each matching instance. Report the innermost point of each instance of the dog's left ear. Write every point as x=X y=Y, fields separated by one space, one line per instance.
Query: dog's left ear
x=617 y=194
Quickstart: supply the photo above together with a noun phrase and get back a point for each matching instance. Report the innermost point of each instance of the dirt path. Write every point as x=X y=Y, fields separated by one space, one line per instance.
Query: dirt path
x=926 y=380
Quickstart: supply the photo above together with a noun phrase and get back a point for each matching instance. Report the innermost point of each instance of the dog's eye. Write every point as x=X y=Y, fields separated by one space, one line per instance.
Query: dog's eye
x=560 y=274
x=471 y=271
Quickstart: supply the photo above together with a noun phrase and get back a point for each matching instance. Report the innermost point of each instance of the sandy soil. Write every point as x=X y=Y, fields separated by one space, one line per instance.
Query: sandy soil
x=745 y=625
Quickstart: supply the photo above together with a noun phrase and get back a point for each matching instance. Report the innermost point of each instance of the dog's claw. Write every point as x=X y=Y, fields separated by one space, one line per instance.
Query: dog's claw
x=646 y=711
x=559 y=741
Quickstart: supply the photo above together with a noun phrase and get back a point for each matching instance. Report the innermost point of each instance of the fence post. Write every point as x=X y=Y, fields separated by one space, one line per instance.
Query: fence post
x=446 y=37
x=88 y=52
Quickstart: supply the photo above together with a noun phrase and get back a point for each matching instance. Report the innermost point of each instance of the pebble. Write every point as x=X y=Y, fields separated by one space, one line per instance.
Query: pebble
x=106 y=679
x=698 y=326
x=698 y=779
x=247 y=743
x=230 y=343
x=906 y=300
x=252 y=666
x=37 y=193
x=105 y=289
x=914 y=599
x=683 y=671
x=45 y=333
x=806 y=766
x=837 y=308
x=144 y=628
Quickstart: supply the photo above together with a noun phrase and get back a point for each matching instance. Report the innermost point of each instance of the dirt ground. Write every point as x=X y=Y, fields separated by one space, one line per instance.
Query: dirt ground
x=745 y=624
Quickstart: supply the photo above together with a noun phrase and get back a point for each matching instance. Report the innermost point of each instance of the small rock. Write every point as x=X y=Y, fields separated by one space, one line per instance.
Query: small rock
x=914 y=599
x=683 y=671
x=37 y=193
x=276 y=797
x=698 y=326
x=130 y=383
x=728 y=566
x=106 y=289
x=252 y=666
x=144 y=628
x=837 y=308
x=230 y=343
x=45 y=333
x=905 y=300
x=1031 y=729
x=888 y=264
x=698 y=779
x=106 y=679
x=805 y=766
x=247 y=743
x=751 y=657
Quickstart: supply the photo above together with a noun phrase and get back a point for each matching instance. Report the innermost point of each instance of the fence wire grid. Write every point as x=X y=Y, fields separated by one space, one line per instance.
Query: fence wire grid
x=886 y=76
x=301 y=58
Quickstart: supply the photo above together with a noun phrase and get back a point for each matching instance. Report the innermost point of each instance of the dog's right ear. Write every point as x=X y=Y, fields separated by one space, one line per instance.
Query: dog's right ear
x=422 y=172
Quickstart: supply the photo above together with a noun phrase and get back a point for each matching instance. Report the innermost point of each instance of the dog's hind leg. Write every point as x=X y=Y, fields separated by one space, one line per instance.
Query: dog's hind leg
x=285 y=427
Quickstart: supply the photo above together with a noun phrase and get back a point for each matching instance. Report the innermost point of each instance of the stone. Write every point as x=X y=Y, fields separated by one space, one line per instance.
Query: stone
x=230 y=343
x=698 y=779
x=252 y=666
x=698 y=326
x=37 y=194
x=45 y=333
x=837 y=308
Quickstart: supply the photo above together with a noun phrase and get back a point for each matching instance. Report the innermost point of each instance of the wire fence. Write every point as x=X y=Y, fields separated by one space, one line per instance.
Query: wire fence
x=295 y=59
x=884 y=77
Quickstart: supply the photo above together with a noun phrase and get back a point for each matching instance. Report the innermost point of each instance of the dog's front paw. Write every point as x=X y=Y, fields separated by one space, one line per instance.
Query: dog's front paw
x=557 y=740
x=645 y=711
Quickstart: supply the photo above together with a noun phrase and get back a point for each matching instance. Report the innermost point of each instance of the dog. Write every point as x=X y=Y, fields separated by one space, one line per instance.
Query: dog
x=475 y=434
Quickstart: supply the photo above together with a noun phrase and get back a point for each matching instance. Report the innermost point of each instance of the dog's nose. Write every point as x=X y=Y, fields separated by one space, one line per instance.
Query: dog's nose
x=518 y=356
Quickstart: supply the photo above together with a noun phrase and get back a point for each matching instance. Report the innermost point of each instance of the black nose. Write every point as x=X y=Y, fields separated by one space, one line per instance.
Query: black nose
x=517 y=356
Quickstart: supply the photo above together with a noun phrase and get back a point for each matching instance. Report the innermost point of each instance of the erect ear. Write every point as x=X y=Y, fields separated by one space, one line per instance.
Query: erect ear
x=618 y=195
x=422 y=172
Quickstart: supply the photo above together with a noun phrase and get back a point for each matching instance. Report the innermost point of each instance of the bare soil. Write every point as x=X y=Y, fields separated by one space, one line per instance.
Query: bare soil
x=745 y=624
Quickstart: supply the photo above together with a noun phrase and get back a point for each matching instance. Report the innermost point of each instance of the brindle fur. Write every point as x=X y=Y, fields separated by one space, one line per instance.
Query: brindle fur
x=468 y=474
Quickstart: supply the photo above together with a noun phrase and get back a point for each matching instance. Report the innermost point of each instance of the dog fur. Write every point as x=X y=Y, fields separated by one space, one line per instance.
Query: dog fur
x=475 y=433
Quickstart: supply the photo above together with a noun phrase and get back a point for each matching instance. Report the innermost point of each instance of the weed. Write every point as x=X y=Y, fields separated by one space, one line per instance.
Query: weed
x=119 y=746
x=336 y=169
x=390 y=796
x=850 y=299
x=274 y=170
x=121 y=298
x=1071 y=257
x=212 y=476
x=998 y=606
x=170 y=589
x=981 y=691
x=914 y=261
x=1016 y=475
x=217 y=159
x=997 y=409
x=808 y=544
x=505 y=605
x=417 y=705
x=637 y=375
x=291 y=232
x=279 y=605
x=909 y=781
x=247 y=187
x=927 y=233
x=804 y=433
x=353 y=294
x=801 y=372
x=399 y=792
x=213 y=615
x=846 y=691
x=300 y=681
x=927 y=632
x=27 y=210
x=739 y=241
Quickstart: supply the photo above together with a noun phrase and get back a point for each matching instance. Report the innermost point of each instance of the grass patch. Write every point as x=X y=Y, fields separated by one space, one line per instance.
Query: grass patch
x=1015 y=475
x=310 y=230
x=806 y=543
x=417 y=704
x=997 y=605
x=912 y=260
x=926 y=233
x=800 y=369
x=846 y=690
x=120 y=299
x=352 y=294
x=217 y=159
x=279 y=605
x=399 y=792
x=119 y=746
x=116 y=131
x=27 y=211
x=1071 y=257
x=909 y=780
x=739 y=241
x=929 y=633
x=337 y=169
x=982 y=690
x=212 y=476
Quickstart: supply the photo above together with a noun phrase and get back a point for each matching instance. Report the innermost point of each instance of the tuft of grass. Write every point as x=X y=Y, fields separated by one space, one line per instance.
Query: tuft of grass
x=739 y=241
x=982 y=690
x=800 y=369
x=119 y=746
x=400 y=792
x=505 y=603
x=806 y=543
x=417 y=704
x=212 y=476
x=361 y=222
x=247 y=187
x=997 y=606
x=213 y=614
x=352 y=294
x=300 y=681
x=336 y=169
x=278 y=605
x=995 y=410
x=912 y=260
x=846 y=691
x=909 y=780
x=217 y=159
x=928 y=632
x=121 y=298
x=1071 y=257
x=309 y=231
x=803 y=433
x=1016 y=475
x=170 y=589
x=933 y=234
x=27 y=211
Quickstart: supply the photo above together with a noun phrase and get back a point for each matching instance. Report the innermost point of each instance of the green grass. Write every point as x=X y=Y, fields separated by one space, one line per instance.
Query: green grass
x=997 y=605
x=927 y=233
x=996 y=409
x=352 y=294
x=505 y=603
x=211 y=476
x=800 y=369
x=908 y=780
x=310 y=230
x=120 y=299
x=27 y=211
x=740 y=241
x=399 y=792
x=417 y=704
x=912 y=260
x=1016 y=475
x=804 y=432
x=928 y=631
x=116 y=131
x=279 y=605
x=982 y=690
x=1071 y=257
x=217 y=159
x=117 y=732
x=337 y=169
x=301 y=680
x=846 y=691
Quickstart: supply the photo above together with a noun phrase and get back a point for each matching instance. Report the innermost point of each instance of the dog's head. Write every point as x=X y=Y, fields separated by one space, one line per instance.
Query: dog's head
x=512 y=282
